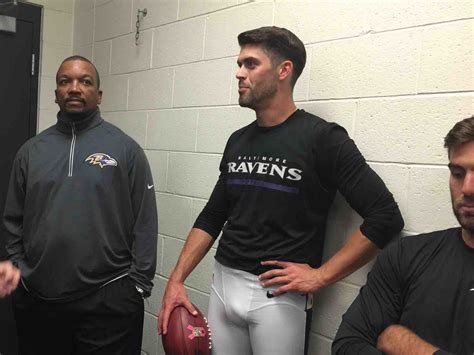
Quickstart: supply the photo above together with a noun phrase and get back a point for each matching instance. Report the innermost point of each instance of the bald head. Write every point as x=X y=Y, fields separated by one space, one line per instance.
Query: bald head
x=83 y=59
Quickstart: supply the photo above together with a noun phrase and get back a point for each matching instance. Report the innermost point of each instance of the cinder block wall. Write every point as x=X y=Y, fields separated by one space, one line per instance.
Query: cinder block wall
x=396 y=74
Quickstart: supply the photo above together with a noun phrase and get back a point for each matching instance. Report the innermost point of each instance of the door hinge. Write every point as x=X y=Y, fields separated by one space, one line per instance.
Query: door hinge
x=33 y=64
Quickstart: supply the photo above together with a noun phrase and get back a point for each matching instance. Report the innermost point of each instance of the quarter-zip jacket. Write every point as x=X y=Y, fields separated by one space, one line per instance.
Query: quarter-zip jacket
x=81 y=209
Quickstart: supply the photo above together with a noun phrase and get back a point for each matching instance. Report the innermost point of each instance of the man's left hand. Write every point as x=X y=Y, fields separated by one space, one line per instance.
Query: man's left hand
x=292 y=276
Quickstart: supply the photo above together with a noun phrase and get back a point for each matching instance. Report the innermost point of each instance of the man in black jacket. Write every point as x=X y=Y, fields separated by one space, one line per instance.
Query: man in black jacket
x=419 y=297
x=81 y=226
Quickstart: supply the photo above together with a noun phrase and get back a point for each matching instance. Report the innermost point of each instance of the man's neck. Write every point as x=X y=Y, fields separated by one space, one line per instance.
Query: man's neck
x=276 y=111
x=468 y=238
x=76 y=117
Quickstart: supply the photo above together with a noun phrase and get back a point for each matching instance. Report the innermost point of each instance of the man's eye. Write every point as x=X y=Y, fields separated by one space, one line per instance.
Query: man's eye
x=87 y=82
x=63 y=81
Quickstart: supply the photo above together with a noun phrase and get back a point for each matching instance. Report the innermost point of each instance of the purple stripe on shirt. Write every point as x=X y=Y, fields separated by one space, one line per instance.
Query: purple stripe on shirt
x=267 y=185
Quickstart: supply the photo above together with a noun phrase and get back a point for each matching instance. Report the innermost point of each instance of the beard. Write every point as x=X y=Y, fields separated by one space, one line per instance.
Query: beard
x=465 y=219
x=256 y=96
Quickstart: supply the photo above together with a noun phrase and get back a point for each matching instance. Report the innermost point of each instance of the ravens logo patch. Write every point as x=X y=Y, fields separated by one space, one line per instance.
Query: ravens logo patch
x=101 y=159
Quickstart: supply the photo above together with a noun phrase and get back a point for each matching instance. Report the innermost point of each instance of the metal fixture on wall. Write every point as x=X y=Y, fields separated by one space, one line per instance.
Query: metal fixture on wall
x=7 y=24
x=8 y=15
x=8 y=2
x=7 y=5
x=140 y=15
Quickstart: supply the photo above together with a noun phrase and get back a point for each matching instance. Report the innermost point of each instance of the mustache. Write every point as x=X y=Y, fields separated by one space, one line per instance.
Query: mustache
x=74 y=98
x=465 y=201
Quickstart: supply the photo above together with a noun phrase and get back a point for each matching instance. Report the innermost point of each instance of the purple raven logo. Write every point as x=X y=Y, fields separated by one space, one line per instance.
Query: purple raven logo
x=101 y=159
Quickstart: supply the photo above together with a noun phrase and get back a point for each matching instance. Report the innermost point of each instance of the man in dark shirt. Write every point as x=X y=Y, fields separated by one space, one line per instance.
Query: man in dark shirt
x=279 y=176
x=81 y=225
x=419 y=297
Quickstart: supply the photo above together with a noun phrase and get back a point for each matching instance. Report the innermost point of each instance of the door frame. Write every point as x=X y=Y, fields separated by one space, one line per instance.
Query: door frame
x=31 y=13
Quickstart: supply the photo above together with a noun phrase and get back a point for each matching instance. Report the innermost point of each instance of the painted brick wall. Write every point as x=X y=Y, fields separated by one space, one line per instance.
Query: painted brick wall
x=396 y=74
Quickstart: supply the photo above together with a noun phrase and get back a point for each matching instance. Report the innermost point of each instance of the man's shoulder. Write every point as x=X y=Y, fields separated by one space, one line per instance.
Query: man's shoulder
x=319 y=128
x=241 y=132
x=301 y=119
x=305 y=115
x=409 y=249
x=431 y=238
x=411 y=255
x=42 y=137
x=45 y=134
x=314 y=120
x=117 y=134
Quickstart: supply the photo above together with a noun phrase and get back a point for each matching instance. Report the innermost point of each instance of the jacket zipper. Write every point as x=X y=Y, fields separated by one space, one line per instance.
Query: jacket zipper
x=71 y=151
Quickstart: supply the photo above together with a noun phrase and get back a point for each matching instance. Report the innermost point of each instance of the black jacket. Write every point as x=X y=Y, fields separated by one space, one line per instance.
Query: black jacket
x=81 y=210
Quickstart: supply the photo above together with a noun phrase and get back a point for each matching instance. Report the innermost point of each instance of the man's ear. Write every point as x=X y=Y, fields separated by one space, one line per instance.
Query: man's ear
x=100 y=97
x=286 y=69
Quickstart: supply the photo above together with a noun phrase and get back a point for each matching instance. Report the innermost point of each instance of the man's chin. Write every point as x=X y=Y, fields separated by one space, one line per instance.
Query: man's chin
x=74 y=111
x=245 y=103
x=466 y=221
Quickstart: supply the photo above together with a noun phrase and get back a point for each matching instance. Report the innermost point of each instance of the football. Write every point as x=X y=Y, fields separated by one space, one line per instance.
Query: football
x=187 y=334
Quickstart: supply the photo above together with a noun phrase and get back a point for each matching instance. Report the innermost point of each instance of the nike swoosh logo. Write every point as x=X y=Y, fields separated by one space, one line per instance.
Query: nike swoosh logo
x=149 y=186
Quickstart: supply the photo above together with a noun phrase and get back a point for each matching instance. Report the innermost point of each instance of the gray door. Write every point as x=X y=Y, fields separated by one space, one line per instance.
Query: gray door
x=18 y=112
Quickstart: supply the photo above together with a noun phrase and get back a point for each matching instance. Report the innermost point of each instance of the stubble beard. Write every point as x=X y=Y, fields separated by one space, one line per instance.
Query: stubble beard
x=254 y=98
x=466 y=220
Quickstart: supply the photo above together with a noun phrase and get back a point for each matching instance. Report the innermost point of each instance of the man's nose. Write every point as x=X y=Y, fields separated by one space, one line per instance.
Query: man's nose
x=468 y=184
x=74 y=87
x=240 y=73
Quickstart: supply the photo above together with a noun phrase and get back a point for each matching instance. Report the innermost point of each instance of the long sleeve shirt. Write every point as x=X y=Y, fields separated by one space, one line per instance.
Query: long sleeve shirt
x=424 y=283
x=276 y=187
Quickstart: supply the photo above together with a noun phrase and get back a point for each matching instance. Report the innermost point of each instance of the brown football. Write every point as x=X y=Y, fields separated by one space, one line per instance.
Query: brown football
x=187 y=334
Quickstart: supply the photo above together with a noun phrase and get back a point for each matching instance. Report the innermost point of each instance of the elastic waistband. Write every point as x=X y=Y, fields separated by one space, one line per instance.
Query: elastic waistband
x=245 y=275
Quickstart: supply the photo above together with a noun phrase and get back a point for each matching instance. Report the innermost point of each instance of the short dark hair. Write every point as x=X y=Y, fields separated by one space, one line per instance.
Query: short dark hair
x=83 y=59
x=280 y=44
x=461 y=133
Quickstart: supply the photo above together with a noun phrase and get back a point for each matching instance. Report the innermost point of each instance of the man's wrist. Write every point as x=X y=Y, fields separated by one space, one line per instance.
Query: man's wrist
x=322 y=278
x=176 y=277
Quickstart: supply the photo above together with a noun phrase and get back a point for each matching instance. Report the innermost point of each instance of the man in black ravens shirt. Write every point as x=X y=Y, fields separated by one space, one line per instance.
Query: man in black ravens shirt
x=419 y=297
x=279 y=176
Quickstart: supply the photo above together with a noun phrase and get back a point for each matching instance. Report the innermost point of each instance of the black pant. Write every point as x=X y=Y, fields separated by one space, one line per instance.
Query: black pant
x=108 y=321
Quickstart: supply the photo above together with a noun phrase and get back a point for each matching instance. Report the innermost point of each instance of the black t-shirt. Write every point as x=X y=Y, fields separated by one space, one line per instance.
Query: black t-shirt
x=275 y=189
x=425 y=283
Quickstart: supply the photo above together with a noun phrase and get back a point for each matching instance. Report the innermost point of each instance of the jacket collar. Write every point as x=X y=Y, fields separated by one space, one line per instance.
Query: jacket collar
x=80 y=122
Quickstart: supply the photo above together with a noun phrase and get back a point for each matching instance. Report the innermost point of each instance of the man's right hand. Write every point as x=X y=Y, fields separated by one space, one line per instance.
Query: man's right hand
x=196 y=246
x=9 y=278
x=175 y=295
